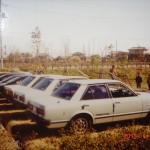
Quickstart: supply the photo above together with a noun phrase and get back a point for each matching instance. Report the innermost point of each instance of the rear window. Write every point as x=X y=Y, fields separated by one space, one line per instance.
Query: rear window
x=37 y=81
x=43 y=84
x=7 y=79
x=26 y=81
x=66 y=91
x=15 y=80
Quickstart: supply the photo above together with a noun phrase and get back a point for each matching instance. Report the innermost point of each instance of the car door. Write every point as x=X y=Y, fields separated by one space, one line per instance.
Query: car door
x=97 y=101
x=126 y=104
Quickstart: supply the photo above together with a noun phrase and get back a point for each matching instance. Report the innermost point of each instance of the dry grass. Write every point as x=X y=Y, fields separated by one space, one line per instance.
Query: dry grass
x=13 y=123
x=10 y=104
x=131 y=137
x=44 y=144
x=2 y=98
x=6 y=141
x=11 y=111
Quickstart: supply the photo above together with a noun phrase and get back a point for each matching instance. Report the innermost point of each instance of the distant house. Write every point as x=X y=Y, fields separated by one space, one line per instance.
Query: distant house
x=59 y=58
x=45 y=56
x=137 y=53
x=119 y=54
x=115 y=55
x=122 y=54
x=78 y=56
x=147 y=57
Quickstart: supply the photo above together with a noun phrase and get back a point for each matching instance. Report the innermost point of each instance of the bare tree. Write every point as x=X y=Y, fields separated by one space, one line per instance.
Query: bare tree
x=66 y=51
x=66 y=48
x=36 y=40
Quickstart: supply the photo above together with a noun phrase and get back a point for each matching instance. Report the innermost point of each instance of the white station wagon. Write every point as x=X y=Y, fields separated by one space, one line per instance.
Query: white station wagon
x=80 y=104
x=44 y=87
x=27 y=82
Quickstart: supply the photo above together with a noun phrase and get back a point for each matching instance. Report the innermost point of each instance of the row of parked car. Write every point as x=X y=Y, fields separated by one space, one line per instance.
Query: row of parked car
x=74 y=102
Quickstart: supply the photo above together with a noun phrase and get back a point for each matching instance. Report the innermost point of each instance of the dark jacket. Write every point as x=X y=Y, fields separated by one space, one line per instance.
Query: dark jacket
x=138 y=79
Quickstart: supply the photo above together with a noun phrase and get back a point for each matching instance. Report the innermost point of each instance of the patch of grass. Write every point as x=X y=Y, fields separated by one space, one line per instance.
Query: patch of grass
x=12 y=111
x=132 y=137
x=13 y=123
x=6 y=141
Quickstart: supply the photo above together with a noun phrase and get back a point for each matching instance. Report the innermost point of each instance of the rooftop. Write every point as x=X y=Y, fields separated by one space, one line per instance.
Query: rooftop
x=94 y=81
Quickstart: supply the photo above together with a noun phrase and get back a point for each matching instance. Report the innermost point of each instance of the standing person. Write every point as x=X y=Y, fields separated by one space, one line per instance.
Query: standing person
x=138 y=80
x=148 y=81
x=112 y=71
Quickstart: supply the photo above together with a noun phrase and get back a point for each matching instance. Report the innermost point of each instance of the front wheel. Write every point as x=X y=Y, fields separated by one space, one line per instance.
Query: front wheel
x=80 y=125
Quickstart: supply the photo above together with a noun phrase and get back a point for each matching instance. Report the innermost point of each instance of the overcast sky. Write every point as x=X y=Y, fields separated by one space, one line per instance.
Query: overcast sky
x=92 y=24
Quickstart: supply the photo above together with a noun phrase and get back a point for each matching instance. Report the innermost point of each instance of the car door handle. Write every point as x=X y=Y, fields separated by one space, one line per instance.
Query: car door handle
x=85 y=106
x=117 y=102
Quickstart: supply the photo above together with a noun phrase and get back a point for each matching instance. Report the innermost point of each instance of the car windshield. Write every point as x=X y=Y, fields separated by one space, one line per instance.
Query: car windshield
x=43 y=84
x=13 y=80
x=26 y=81
x=7 y=79
x=5 y=76
x=66 y=91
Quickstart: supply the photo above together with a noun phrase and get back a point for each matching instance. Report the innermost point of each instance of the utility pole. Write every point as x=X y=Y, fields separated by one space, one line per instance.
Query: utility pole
x=1 y=47
x=93 y=45
x=116 y=46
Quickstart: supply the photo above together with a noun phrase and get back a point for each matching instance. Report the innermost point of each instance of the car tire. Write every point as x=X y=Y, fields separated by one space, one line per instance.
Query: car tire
x=80 y=125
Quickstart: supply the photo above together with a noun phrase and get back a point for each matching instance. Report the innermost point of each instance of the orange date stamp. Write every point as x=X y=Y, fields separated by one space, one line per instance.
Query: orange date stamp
x=135 y=136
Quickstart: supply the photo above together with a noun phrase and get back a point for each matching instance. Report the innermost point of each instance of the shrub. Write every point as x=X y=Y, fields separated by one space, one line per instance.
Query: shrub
x=132 y=137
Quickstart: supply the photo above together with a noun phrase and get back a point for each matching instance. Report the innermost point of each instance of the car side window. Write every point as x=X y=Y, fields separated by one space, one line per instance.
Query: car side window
x=43 y=84
x=66 y=91
x=27 y=80
x=37 y=81
x=88 y=94
x=118 y=90
x=96 y=92
x=61 y=82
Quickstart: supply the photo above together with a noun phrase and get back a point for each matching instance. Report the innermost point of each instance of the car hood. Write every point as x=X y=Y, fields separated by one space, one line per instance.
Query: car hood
x=47 y=101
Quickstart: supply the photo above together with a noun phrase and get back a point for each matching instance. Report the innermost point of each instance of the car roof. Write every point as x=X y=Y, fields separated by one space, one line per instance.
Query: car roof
x=65 y=77
x=43 y=75
x=94 y=81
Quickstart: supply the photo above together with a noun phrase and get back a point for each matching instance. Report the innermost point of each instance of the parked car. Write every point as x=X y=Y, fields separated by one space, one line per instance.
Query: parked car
x=27 y=82
x=8 y=78
x=2 y=73
x=6 y=75
x=15 y=80
x=46 y=86
x=83 y=103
